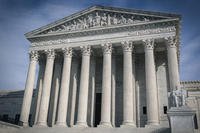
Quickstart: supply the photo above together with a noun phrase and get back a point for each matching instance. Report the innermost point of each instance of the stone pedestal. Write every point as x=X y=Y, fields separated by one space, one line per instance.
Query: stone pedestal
x=181 y=119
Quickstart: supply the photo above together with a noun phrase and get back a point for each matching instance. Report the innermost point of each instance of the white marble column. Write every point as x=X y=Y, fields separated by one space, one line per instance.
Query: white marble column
x=134 y=88
x=44 y=105
x=39 y=88
x=64 y=90
x=127 y=86
x=91 y=101
x=173 y=63
x=151 y=88
x=113 y=89
x=74 y=86
x=55 y=87
x=106 y=87
x=28 y=92
x=84 y=84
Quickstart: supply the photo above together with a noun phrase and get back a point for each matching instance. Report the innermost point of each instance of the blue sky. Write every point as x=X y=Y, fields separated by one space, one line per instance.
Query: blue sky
x=20 y=16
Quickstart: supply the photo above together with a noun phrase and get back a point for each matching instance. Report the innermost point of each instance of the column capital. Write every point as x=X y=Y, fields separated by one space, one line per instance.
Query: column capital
x=86 y=50
x=171 y=41
x=50 y=53
x=127 y=46
x=148 y=44
x=107 y=48
x=67 y=52
x=33 y=55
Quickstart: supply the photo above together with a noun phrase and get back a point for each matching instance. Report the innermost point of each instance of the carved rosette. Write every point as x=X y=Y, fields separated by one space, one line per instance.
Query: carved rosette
x=86 y=50
x=107 y=48
x=148 y=44
x=127 y=46
x=67 y=52
x=50 y=53
x=33 y=55
x=171 y=42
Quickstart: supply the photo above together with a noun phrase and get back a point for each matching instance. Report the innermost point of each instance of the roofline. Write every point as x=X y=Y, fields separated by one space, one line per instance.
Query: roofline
x=99 y=7
x=139 y=11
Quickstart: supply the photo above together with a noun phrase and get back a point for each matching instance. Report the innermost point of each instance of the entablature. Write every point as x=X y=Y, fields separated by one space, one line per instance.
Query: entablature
x=106 y=34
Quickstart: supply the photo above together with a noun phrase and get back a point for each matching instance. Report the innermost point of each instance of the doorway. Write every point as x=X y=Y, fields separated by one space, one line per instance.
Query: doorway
x=97 y=109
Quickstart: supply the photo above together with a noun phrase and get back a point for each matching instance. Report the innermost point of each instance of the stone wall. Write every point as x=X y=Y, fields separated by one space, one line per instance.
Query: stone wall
x=10 y=104
x=193 y=98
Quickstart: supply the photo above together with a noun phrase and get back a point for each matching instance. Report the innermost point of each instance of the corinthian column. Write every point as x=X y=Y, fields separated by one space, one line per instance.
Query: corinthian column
x=106 y=87
x=173 y=63
x=127 y=86
x=28 y=92
x=84 y=84
x=44 y=104
x=64 y=90
x=39 y=88
x=151 y=89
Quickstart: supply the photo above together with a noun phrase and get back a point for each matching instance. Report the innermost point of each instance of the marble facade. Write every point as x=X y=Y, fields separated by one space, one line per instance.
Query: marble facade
x=127 y=57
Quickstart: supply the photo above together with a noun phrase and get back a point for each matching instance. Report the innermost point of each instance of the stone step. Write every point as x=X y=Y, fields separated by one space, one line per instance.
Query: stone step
x=8 y=125
x=92 y=130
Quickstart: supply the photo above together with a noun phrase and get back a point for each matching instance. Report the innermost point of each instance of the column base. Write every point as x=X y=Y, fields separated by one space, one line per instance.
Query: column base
x=40 y=124
x=128 y=125
x=60 y=124
x=23 y=124
x=152 y=124
x=105 y=125
x=81 y=125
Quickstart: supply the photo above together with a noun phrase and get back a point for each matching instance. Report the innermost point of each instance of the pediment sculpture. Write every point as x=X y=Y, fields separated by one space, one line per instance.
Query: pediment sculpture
x=99 y=19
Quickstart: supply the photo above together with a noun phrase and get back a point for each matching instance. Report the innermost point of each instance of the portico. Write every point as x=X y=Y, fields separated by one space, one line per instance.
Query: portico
x=125 y=73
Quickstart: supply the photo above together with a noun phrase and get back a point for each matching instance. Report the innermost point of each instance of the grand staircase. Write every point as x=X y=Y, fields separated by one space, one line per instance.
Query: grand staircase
x=10 y=128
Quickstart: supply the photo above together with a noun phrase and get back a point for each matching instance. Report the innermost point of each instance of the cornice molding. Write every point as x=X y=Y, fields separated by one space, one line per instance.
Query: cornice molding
x=137 y=32
x=107 y=29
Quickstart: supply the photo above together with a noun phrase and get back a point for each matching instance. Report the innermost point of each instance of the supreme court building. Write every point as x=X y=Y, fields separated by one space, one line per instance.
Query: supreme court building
x=103 y=67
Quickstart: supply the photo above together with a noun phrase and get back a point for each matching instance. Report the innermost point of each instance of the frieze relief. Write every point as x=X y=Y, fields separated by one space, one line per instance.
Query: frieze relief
x=131 y=33
x=99 y=19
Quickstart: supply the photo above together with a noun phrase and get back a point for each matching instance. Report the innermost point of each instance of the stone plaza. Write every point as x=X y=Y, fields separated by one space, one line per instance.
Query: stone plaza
x=104 y=68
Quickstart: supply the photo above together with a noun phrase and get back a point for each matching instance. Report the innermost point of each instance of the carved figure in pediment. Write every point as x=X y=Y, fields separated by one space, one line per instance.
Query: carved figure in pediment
x=71 y=26
x=123 y=20
x=74 y=25
x=115 y=20
x=68 y=27
x=145 y=19
x=83 y=23
x=130 y=20
x=109 y=19
x=90 y=20
x=52 y=30
x=97 y=20
x=60 y=28
x=63 y=26
x=104 y=20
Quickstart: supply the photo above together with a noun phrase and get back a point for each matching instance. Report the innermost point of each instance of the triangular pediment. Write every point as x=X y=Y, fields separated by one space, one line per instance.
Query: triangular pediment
x=97 y=17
